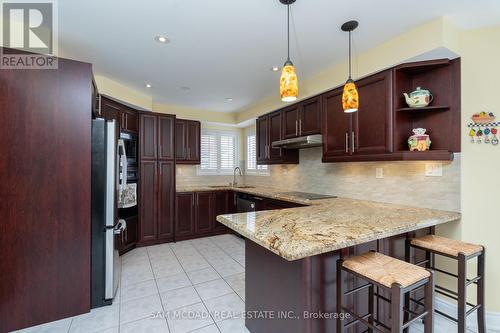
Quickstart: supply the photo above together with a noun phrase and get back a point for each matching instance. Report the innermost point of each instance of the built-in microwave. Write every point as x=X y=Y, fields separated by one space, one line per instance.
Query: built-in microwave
x=131 y=148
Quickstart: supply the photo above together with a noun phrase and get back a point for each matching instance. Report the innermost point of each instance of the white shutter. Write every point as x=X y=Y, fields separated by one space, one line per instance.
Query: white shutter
x=227 y=152
x=219 y=152
x=251 y=153
x=209 y=152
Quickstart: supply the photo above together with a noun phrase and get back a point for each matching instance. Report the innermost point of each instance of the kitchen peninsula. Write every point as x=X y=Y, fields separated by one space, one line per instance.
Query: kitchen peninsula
x=291 y=254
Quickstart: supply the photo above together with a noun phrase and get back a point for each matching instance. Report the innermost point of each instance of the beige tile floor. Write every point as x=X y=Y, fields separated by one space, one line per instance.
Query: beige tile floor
x=191 y=286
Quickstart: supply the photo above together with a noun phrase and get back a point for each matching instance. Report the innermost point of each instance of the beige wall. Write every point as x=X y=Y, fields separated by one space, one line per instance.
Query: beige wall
x=123 y=93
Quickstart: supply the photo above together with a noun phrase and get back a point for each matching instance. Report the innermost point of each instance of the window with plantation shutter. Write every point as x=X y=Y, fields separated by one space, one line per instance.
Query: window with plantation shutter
x=219 y=152
x=252 y=167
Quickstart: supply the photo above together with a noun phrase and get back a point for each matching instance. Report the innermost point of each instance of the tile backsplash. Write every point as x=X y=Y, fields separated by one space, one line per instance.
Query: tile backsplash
x=403 y=182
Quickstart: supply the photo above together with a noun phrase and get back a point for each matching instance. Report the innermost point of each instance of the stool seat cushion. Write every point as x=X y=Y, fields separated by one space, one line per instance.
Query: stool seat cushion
x=446 y=245
x=385 y=270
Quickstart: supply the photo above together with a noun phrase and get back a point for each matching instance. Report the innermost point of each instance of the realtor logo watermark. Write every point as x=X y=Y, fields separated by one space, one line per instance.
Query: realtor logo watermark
x=29 y=34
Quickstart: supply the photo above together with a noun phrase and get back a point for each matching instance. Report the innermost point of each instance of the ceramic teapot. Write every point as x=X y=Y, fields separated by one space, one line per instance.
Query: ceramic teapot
x=418 y=98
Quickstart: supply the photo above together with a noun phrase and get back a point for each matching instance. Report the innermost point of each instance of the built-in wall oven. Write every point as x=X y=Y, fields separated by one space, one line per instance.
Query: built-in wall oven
x=131 y=147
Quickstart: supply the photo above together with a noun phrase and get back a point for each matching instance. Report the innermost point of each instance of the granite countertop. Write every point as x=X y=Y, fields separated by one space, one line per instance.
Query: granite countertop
x=324 y=225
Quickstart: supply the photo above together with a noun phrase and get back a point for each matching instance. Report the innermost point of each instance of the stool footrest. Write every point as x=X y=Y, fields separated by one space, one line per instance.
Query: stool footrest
x=420 y=316
x=360 y=319
x=355 y=290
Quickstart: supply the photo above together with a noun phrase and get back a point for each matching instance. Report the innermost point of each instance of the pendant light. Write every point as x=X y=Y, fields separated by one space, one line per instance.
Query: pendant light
x=350 y=97
x=289 y=84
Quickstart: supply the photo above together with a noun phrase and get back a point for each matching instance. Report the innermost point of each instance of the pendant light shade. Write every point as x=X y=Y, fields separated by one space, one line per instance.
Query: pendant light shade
x=350 y=96
x=289 y=83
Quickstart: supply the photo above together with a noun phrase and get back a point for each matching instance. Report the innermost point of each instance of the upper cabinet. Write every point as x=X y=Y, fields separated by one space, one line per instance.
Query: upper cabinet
x=302 y=119
x=126 y=117
x=269 y=129
x=359 y=135
x=441 y=118
x=379 y=131
x=187 y=141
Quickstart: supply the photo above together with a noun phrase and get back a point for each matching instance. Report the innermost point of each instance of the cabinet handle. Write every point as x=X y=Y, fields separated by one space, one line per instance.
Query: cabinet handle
x=346 y=142
x=300 y=126
x=352 y=140
x=189 y=153
x=160 y=150
x=296 y=127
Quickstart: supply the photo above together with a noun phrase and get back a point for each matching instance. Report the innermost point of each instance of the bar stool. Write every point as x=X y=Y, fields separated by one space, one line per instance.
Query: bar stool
x=462 y=252
x=396 y=276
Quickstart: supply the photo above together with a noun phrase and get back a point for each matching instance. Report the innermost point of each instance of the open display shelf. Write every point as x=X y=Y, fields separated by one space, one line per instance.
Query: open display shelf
x=441 y=118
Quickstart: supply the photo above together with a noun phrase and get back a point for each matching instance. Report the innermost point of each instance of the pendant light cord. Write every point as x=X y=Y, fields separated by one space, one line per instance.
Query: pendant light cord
x=288 y=31
x=350 y=55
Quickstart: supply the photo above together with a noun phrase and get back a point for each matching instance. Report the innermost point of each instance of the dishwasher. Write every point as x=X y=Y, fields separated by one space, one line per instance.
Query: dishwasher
x=245 y=203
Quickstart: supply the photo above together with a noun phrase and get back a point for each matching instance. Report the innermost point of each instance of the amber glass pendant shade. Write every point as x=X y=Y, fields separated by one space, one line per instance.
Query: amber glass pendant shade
x=289 y=83
x=350 y=97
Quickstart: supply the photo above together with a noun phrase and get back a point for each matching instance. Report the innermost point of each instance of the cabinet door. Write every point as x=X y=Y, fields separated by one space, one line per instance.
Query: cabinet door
x=275 y=122
x=193 y=141
x=336 y=126
x=372 y=124
x=148 y=200
x=180 y=140
x=291 y=121
x=166 y=137
x=166 y=199
x=130 y=121
x=148 y=137
x=184 y=208
x=310 y=117
x=262 y=139
x=203 y=213
x=221 y=206
x=130 y=237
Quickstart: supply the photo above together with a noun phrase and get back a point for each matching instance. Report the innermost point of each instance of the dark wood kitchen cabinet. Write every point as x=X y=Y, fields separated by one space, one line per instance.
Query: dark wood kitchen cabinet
x=336 y=126
x=367 y=132
x=371 y=131
x=130 y=236
x=157 y=178
x=148 y=137
x=269 y=130
x=187 y=141
x=148 y=200
x=166 y=199
x=224 y=203
x=203 y=213
x=126 y=117
x=45 y=195
x=303 y=118
x=185 y=215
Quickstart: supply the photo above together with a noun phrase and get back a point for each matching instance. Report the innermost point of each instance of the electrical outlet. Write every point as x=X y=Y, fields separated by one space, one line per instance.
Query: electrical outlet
x=379 y=173
x=434 y=169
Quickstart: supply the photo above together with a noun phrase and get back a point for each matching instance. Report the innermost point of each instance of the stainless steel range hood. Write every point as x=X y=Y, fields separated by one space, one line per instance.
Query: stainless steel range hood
x=300 y=142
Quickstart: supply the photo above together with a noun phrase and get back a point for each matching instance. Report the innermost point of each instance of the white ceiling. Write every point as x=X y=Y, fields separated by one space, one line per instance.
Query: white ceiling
x=225 y=48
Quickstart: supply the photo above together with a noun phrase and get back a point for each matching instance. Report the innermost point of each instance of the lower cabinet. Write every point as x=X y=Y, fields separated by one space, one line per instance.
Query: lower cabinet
x=184 y=221
x=156 y=203
x=196 y=213
x=129 y=238
x=203 y=209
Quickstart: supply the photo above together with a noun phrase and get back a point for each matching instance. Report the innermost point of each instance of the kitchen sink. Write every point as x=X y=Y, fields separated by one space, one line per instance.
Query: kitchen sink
x=229 y=186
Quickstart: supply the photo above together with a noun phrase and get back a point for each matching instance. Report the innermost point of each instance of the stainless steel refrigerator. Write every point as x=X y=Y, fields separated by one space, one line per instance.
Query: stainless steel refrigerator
x=106 y=263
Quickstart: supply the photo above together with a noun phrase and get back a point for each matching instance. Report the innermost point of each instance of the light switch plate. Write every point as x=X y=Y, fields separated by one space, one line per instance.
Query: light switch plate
x=434 y=169
x=379 y=173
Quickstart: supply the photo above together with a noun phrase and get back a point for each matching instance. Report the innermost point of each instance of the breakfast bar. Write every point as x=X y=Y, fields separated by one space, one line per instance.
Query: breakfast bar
x=291 y=256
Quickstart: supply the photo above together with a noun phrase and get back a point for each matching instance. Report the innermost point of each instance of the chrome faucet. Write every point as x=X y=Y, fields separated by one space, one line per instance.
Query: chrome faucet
x=235 y=183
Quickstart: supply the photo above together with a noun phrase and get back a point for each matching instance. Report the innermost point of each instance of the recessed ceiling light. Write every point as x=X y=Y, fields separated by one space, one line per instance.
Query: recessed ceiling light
x=275 y=69
x=148 y=85
x=229 y=99
x=162 y=39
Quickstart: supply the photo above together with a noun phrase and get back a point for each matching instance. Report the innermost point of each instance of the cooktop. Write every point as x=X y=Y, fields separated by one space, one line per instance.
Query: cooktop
x=307 y=196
